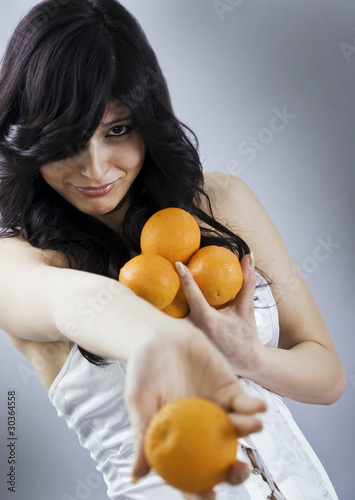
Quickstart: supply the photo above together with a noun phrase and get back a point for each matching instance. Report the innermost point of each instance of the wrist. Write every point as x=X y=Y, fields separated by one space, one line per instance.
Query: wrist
x=162 y=330
x=256 y=364
x=113 y=330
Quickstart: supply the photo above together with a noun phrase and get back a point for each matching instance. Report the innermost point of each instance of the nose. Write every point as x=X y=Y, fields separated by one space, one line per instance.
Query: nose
x=94 y=162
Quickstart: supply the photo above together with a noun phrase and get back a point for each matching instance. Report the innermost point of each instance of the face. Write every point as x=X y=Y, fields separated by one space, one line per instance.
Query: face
x=97 y=180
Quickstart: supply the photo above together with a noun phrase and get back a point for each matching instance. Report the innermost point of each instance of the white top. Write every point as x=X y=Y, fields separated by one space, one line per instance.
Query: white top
x=91 y=400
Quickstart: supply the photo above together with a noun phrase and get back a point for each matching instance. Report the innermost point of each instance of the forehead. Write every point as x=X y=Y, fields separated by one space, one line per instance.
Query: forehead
x=115 y=110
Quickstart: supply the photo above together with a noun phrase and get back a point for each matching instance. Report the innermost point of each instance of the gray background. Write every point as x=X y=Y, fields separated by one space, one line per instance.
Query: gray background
x=230 y=70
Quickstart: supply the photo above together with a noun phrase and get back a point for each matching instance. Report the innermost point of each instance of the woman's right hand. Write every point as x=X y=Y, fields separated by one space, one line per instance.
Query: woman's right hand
x=181 y=364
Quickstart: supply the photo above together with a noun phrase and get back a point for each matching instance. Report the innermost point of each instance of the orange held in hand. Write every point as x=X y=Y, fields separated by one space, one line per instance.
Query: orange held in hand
x=218 y=273
x=151 y=277
x=191 y=444
x=171 y=233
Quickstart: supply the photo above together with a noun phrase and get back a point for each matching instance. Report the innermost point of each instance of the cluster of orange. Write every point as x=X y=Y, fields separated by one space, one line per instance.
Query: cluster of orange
x=173 y=235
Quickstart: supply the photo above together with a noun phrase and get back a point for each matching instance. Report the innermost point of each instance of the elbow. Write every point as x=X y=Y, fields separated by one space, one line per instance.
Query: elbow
x=338 y=387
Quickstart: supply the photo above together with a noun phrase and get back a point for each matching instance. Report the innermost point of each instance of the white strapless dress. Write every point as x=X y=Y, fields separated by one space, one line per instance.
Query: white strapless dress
x=91 y=400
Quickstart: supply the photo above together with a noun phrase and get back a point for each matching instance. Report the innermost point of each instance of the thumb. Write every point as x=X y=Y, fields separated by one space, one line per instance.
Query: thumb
x=245 y=298
x=139 y=425
x=139 y=416
x=141 y=466
x=197 y=303
x=238 y=472
x=141 y=404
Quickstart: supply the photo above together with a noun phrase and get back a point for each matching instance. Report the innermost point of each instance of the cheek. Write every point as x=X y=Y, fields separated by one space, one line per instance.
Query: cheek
x=53 y=176
x=137 y=151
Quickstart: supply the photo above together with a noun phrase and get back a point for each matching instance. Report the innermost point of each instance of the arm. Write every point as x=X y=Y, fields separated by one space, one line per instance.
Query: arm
x=306 y=366
x=45 y=302
x=58 y=304
x=167 y=358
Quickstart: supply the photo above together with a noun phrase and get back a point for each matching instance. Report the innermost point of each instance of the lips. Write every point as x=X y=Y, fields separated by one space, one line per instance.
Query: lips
x=99 y=191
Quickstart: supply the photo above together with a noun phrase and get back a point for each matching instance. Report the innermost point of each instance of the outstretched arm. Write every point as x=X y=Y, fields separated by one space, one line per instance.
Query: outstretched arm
x=167 y=358
x=59 y=304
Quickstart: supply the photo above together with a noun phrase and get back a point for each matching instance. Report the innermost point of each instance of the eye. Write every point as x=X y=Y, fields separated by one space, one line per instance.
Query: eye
x=118 y=130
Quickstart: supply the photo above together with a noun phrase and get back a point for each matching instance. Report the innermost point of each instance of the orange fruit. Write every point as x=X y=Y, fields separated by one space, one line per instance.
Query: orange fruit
x=151 y=277
x=191 y=444
x=179 y=308
x=218 y=273
x=172 y=233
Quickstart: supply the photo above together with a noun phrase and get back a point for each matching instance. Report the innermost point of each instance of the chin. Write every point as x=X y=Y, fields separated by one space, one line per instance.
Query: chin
x=102 y=212
x=98 y=210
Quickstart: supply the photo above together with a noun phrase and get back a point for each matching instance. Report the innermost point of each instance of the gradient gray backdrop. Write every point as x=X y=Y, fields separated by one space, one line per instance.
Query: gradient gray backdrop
x=230 y=71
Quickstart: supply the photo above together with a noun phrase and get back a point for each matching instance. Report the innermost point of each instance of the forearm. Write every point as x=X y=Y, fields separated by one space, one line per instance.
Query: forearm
x=106 y=318
x=308 y=372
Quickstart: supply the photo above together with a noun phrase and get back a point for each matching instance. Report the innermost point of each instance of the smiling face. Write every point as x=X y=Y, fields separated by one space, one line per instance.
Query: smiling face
x=97 y=180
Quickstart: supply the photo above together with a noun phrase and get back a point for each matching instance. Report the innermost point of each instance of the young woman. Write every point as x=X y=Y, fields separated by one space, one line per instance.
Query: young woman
x=89 y=149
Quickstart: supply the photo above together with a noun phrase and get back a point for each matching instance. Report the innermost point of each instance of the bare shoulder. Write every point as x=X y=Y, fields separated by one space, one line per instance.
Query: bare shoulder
x=224 y=188
x=235 y=205
x=218 y=184
x=17 y=249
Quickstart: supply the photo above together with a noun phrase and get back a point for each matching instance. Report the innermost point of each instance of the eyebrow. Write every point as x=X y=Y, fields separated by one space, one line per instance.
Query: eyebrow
x=117 y=120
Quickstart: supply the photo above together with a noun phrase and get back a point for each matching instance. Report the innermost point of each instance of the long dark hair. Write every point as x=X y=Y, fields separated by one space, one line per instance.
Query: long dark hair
x=64 y=62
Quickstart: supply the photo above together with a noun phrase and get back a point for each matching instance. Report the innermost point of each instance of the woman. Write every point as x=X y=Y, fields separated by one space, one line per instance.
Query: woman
x=89 y=149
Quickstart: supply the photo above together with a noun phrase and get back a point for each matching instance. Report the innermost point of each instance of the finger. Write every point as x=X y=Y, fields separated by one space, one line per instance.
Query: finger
x=245 y=298
x=141 y=406
x=245 y=424
x=197 y=302
x=241 y=402
x=238 y=473
x=141 y=466
x=233 y=398
x=141 y=403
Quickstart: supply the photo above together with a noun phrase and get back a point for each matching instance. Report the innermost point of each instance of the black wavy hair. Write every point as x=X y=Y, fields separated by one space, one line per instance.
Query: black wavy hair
x=64 y=62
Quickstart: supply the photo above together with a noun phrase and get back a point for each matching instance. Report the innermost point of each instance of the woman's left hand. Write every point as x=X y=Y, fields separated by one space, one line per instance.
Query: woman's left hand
x=232 y=329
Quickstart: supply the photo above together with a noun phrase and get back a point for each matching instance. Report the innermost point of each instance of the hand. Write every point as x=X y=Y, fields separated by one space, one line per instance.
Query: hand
x=180 y=364
x=237 y=474
x=232 y=329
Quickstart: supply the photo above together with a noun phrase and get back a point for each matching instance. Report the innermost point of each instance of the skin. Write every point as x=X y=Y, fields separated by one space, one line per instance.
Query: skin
x=115 y=154
x=305 y=367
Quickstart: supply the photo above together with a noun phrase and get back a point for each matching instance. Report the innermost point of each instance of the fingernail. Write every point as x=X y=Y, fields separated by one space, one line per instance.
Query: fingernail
x=180 y=269
x=251 y=260
x=135 y=479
